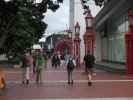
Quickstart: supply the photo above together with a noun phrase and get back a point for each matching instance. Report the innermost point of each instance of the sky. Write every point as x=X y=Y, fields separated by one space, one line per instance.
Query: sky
x=59 y=20
x=94 y=9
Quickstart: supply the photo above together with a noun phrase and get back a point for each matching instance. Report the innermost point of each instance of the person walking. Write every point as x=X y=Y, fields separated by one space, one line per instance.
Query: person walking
x=62 y=60
x=45 y=60
x=55 y=60
x=70 y=67
x=26 y=63
x=89 y=60
x=39 y=67
x=34 y=62
x=58 y=60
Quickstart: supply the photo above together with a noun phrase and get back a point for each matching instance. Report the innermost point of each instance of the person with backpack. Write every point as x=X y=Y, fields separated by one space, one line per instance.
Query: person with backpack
x=70 y=67
x=89 y=60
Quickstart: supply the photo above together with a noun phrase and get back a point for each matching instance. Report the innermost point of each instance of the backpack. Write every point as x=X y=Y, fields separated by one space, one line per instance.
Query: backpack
x=70 y=65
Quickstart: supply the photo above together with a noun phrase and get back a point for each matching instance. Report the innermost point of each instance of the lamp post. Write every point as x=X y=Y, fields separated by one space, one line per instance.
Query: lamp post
x=89 y=34
x=77 y=44
x=129 y=44
x=77 y=29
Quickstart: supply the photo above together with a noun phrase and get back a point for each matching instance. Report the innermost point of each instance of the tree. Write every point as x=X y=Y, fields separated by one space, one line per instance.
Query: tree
x=97 y=2
x=100 y=2
x=21 y=23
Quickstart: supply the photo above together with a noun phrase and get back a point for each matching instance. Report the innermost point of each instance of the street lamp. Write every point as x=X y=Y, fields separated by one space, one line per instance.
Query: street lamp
x=77 y=28
x=77 y=44
x=129 y=44
x=88 y=19
x=130 y=16
x=89 y=34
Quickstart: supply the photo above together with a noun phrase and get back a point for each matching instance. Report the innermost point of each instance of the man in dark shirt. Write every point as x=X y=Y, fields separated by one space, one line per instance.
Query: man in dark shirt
x=89 y=60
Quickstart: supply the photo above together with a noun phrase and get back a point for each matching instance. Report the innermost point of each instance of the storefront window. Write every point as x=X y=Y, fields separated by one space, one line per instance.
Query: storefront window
x=117 y=29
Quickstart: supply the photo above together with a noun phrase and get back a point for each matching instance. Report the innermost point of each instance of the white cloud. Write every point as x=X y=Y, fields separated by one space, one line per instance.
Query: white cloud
x=58 y=20
x=94 y=9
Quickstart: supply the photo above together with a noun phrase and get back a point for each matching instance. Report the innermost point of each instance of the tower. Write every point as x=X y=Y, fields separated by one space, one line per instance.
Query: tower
x=76 y=15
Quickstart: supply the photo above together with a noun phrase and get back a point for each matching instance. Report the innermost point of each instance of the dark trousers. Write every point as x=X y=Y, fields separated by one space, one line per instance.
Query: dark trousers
x=70 y=79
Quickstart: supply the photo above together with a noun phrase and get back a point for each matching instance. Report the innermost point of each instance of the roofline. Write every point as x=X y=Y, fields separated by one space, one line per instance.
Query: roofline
x=109 y=9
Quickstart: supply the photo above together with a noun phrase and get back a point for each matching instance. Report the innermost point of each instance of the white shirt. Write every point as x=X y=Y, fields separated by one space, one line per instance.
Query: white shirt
x=72 y=60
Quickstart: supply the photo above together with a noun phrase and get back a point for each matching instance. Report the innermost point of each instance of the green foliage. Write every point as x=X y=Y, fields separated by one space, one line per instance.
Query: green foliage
x=21 y=24
x=97 y=2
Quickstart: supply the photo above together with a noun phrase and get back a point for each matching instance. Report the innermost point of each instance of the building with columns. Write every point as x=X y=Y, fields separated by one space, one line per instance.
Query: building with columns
x=111 y=24
x=113 y=39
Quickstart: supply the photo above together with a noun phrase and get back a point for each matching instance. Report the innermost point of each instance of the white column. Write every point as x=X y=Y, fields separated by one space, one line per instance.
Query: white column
x=79 y=17
x=97 y=47
x=51 y=42
x=71 y=16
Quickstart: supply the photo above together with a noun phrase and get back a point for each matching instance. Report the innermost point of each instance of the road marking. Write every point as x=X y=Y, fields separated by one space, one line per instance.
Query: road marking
x=50 y=71
x=75 y=81
x=118 y=98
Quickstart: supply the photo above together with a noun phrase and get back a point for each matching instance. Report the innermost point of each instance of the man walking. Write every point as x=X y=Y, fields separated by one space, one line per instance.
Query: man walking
x=39 y=67
x=70 y=67
x=26 y=67
x=89 y=60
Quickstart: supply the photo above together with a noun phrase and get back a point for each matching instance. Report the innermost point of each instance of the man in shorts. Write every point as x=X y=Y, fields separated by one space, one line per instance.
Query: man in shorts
x=89 y=60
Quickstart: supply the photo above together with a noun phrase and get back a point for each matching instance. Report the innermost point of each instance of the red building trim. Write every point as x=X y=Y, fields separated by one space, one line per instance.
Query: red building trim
x=62 y=44
x=129 y=45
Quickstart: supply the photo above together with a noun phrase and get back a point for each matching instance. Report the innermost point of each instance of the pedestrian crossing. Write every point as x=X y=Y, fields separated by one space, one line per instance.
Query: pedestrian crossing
x=75 y=81
x=124 y=98
x=51 y=71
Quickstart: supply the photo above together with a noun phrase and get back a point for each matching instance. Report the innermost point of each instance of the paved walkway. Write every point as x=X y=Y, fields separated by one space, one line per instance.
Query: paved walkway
x=89 y=99
x=124 y=98
x=106 y=86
